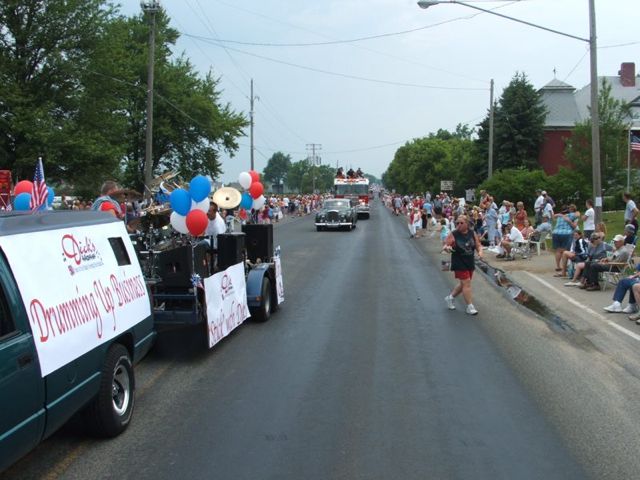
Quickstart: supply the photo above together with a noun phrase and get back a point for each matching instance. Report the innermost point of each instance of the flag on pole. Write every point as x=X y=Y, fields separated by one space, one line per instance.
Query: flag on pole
x=40 y=193
x=635 y=142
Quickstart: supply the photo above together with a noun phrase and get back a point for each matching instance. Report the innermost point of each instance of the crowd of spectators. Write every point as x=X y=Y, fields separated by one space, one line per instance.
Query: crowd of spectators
x=580 y=250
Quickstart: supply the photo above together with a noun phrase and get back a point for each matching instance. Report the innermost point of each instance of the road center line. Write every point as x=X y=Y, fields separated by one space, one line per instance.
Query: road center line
x=621 y=329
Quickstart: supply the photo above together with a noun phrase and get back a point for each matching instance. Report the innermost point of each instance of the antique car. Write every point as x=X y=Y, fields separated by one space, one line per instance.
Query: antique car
x=337 y=213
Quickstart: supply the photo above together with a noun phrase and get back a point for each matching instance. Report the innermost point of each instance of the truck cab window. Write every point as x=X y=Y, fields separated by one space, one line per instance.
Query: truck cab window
x=6 y=322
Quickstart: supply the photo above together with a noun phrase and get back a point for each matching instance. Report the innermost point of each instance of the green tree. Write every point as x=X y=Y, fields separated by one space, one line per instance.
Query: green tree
x=614 y=118
x=519 y=118
x=44 y=47
x=191 y=125
x=423 y=163
x=277 y=167
x=296 y=175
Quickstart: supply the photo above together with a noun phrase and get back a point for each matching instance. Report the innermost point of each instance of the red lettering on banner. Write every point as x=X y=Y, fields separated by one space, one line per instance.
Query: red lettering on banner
x=65 y=316
x=106 y=298
x=76 y=250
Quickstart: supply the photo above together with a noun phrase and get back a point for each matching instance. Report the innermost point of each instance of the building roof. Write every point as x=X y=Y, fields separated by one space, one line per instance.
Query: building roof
x=629 y=95
x=559 y=99
x=566 y=106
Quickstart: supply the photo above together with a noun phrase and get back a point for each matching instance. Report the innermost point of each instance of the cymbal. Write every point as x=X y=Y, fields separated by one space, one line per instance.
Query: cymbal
x=163 y=178
x=227 y=198
x=125 y=194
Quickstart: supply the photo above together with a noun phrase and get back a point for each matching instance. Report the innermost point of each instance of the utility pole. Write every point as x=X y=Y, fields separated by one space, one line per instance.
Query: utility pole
x=314 y=160
x=490 y=172
x=595 y=115
x=151 y=7
x=251 y=114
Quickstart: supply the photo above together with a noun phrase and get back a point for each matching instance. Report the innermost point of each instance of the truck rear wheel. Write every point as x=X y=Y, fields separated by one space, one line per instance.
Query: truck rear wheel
x=263 y=312
x=110 y=411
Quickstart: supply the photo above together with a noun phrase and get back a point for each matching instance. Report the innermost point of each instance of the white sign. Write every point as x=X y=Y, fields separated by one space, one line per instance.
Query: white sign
x=279 y=282
x=446 y=185
x=76 y=293
x=226 y=297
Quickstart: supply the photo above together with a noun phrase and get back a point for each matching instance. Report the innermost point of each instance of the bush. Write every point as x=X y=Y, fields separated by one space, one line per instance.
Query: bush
x=516 y=185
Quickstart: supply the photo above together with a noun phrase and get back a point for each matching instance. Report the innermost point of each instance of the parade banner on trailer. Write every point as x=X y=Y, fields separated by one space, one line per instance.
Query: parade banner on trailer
x=226 y=297
x=80 y=286
x=279 y=282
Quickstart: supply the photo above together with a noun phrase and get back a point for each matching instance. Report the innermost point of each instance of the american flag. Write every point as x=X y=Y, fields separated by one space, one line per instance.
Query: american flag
x=40 y=193
x=635 y=142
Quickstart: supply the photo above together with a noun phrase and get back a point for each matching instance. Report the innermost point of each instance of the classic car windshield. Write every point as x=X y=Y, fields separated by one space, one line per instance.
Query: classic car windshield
x=336 y=204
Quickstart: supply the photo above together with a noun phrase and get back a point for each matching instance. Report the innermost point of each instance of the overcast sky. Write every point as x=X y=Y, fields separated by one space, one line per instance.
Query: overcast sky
x=438 y=76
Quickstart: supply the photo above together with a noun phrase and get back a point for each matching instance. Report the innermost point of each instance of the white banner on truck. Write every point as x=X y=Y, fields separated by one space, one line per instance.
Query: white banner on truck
x=80 y=286
x=279 y=282
x=226 y=297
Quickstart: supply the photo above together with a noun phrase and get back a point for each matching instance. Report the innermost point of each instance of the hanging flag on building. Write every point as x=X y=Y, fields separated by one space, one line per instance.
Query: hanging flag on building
x=40 y=192
x=635 y=142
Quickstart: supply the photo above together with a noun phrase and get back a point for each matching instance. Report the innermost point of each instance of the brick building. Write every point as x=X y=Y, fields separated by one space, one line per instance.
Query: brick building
x=566 y=106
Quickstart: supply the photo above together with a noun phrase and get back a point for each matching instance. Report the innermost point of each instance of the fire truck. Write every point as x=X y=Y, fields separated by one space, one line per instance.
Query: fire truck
x=356 y=188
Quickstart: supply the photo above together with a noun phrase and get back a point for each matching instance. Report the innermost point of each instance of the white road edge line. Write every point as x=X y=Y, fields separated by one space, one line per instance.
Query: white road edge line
x=627 y=332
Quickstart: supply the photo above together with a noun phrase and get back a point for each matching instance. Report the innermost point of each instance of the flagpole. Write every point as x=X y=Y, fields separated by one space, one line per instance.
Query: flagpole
x=629 y=160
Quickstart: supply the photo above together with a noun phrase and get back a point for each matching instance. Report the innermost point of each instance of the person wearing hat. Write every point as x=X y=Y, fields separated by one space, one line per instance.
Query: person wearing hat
x=597 y=250
x=577 y=253
x=629 y=234
x=618 y=260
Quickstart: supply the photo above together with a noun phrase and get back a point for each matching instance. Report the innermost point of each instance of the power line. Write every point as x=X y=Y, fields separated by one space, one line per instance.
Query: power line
x=344 y=75
x=334 y=42
x=403 y=59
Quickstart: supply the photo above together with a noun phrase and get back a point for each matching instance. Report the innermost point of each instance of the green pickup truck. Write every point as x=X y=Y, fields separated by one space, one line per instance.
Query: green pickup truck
x=74 y=318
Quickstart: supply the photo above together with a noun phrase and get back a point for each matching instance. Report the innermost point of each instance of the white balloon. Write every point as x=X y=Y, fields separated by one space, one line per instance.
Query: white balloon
x=179 y=222
x=202 y=205
x=244 y=179
x=259 y=202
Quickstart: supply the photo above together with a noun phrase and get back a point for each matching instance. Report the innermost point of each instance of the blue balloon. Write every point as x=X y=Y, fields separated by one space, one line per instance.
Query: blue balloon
x=22 y=202
x=50 y=195
x=247 y=201
x=180 y=201
x=199 y=188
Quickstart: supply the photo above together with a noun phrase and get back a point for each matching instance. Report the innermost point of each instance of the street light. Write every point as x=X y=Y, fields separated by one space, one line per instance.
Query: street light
x=595 y=116
x=151 y=7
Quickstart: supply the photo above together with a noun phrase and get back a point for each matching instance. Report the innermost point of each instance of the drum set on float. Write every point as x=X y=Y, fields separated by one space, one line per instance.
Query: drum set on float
x=178 y=213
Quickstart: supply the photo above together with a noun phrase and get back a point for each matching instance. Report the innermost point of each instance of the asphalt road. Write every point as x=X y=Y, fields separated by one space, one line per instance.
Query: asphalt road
x=363 y=373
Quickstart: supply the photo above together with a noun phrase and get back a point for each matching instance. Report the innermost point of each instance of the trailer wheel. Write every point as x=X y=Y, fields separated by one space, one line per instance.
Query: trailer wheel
x=263 y=312
x=111 y=410
x=318 y=228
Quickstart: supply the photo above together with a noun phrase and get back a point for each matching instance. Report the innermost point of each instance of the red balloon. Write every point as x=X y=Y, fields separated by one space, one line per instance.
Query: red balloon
x=197 y=222
x=243 y=214
x=24 y=186
x=256 y=189
x=255 y=176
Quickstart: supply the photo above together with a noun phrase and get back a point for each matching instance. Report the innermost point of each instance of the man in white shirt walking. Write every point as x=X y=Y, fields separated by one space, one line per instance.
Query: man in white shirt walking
x=589 y=219
x=538 y=206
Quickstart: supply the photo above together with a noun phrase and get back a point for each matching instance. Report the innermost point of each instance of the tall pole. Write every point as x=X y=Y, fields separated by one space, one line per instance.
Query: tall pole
x=251 y=116
x=313 y=160
x=490 y=173
x=595 y=115
x=629 y=160
x=151 y=8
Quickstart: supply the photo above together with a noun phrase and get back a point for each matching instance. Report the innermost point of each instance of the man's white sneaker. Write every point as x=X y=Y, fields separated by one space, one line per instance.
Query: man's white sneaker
x=615 y=307
x=631 y=308
x=449 y=300
x=471 y=310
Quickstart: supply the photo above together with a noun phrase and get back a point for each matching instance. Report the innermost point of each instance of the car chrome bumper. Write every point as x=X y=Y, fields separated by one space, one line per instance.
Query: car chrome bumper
x=333 y=224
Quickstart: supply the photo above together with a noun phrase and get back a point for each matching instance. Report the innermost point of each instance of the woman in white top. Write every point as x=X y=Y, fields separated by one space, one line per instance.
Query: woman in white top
x=589 y=219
